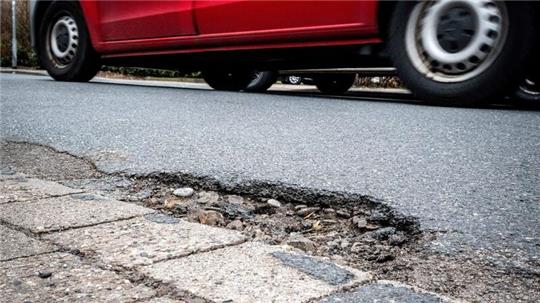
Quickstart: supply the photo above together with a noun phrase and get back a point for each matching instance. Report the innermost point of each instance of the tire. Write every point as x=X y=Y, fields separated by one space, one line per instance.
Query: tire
x=235 y=80
x=71 y=57
x=528 y=91
x=294 y=80
x=431 y=68
x=262 y=81
x=334 y=84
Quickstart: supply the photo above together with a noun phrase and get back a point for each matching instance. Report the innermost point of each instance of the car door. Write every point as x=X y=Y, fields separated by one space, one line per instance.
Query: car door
x=130 y=20
x=279 y=16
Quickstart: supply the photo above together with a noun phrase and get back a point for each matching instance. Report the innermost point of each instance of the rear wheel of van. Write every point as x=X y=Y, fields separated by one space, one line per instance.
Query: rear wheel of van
x=228 y=80
x=261 y=81
x=64 y=46
x=529 y=91
x=334 y=84
x=461 y=52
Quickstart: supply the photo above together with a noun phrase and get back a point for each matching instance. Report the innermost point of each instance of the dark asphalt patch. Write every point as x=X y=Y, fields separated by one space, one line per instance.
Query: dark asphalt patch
x=161 y=218
x=382 y=293
x=326 y=271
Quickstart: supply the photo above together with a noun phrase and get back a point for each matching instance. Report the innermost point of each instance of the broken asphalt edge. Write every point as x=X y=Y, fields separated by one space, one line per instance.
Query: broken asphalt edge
x=264 y=189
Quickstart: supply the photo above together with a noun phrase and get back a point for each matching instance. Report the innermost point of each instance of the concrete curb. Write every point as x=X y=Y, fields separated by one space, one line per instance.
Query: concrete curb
x=168 y=83
x=23 y=71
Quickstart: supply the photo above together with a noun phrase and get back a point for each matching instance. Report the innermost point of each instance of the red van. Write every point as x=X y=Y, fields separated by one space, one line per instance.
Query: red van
x=450 y=51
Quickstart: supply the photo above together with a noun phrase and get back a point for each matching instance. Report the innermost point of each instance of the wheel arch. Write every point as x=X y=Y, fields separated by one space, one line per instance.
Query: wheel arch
x=384 y=17
x=37 y=11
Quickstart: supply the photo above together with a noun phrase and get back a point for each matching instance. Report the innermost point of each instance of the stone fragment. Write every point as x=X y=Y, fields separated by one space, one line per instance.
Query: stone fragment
x=45 y=274
x=236 y=225
x=171 y=203
x=211 y=217
x=234 y=199
x=274 y=203
x=343 y=214
x=306 y=211
x=298 y=241
x=329 y=212
x=397 y=239
x=207 y=197
x=359 y=222
x=384 y=233
x=379 y=217
x=183 y=192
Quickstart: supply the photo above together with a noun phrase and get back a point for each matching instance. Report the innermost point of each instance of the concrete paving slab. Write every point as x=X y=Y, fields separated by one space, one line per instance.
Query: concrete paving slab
x=145 y=240
x=61 y=277
x=15 y=244
x=19 y=188
x=249 y=273
x=164 y=300
x=384 y=292
x=65 y=212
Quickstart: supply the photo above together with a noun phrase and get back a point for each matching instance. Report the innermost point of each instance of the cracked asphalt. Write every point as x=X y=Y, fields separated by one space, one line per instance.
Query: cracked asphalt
x=471 y=173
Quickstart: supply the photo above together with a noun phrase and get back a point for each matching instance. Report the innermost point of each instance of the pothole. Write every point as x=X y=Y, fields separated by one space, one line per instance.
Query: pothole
x=352 y=232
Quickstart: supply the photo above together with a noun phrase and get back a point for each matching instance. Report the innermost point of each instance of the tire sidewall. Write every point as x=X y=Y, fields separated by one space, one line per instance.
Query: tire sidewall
x=263 y=83
x=81 y=66
x=501 y=77
x=335 y=84
x=234 y=80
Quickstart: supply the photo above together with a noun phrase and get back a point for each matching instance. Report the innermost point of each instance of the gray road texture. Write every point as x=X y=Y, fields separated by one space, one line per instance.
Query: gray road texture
x=472 y=174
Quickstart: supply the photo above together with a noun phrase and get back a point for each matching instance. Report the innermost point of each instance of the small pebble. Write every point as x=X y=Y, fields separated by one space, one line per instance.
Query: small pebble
x=183 y=192
x=306 y=211
x=343 y=214
x=236 y=225
x=274 y=203
x=45 y=274
x=359 y=222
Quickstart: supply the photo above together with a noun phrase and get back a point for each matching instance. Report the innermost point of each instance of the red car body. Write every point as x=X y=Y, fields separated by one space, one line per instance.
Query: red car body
x=444 y=50
x=126 y=28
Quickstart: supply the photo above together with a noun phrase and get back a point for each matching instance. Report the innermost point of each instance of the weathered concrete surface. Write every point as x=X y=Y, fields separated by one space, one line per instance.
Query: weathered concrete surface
x=61 y=277
x=15 y=244
x=68 y=211
x=384 y=293
x=245 y=273
x=40 y=163
x=165 y=300
x=143 y=241
x=19 y=188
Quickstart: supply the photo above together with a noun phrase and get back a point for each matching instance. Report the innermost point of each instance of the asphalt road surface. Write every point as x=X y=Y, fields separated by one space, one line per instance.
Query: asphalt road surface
x=472 y=173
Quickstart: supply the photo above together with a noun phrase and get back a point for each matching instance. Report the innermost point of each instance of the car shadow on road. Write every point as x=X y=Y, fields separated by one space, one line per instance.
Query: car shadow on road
x=402 y=98
x=382 y=97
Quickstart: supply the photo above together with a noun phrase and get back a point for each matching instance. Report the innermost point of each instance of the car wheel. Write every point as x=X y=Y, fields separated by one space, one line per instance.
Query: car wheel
x=294 y=80
x=461 y=52
x=65 y=50
x=235 y=80
x=261 y=81
x=334 y=84
x=529 y=90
